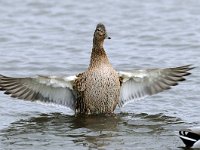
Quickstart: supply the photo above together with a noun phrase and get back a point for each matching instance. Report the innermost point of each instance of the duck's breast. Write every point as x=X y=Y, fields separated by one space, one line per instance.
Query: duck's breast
x=102 y=89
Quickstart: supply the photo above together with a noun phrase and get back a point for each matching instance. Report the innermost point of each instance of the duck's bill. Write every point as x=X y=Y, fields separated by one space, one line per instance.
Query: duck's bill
x=107 y=37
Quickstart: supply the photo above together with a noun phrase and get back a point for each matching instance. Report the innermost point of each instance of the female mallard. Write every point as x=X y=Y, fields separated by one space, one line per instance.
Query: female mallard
x=97 y=90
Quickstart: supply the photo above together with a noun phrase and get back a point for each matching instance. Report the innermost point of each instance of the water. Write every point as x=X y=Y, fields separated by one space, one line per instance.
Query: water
x=55 y=37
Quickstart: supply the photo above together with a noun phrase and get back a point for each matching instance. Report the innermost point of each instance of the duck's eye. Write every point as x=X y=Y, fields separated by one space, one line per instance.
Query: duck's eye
x=98 y=29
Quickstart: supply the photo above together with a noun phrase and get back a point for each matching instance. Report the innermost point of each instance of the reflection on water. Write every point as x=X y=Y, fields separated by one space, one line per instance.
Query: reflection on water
x=88 y=131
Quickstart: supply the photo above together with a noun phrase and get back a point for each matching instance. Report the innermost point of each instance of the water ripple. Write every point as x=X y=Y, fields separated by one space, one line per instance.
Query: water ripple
x=55 y=37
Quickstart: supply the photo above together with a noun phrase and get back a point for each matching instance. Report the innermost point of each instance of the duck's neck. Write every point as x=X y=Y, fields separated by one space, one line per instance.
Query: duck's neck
x=98 y=55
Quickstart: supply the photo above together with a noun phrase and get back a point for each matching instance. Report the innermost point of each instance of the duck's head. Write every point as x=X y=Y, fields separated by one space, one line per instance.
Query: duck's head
x=100 y=33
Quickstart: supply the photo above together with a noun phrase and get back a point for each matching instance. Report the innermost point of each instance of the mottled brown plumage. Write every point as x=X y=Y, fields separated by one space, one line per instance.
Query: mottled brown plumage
x=100 y=88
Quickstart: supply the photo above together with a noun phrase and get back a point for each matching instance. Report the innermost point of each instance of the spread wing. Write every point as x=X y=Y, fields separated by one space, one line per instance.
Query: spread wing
x=142 y=83
x=50 y=89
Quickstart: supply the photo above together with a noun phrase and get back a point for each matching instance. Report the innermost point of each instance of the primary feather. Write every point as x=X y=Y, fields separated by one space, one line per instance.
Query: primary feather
x=142 y=83
x=50 y=89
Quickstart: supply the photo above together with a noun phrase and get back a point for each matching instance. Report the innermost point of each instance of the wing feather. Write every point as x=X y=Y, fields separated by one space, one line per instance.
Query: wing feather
x=141 y=83
x=58 y=90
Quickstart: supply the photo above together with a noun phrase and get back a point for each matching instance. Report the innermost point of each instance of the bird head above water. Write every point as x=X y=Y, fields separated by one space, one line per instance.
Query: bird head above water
x=100 y=34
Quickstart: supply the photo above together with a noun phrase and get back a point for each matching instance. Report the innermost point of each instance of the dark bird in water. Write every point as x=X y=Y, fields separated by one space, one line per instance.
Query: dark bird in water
x=190 y=137
x=100 y=88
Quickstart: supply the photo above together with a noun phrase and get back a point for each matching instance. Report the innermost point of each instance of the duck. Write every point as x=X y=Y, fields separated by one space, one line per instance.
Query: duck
x=190 y=137
x=99 y=89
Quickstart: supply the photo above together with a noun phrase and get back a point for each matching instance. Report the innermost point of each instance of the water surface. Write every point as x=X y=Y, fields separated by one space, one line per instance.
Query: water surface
x=55 y=38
